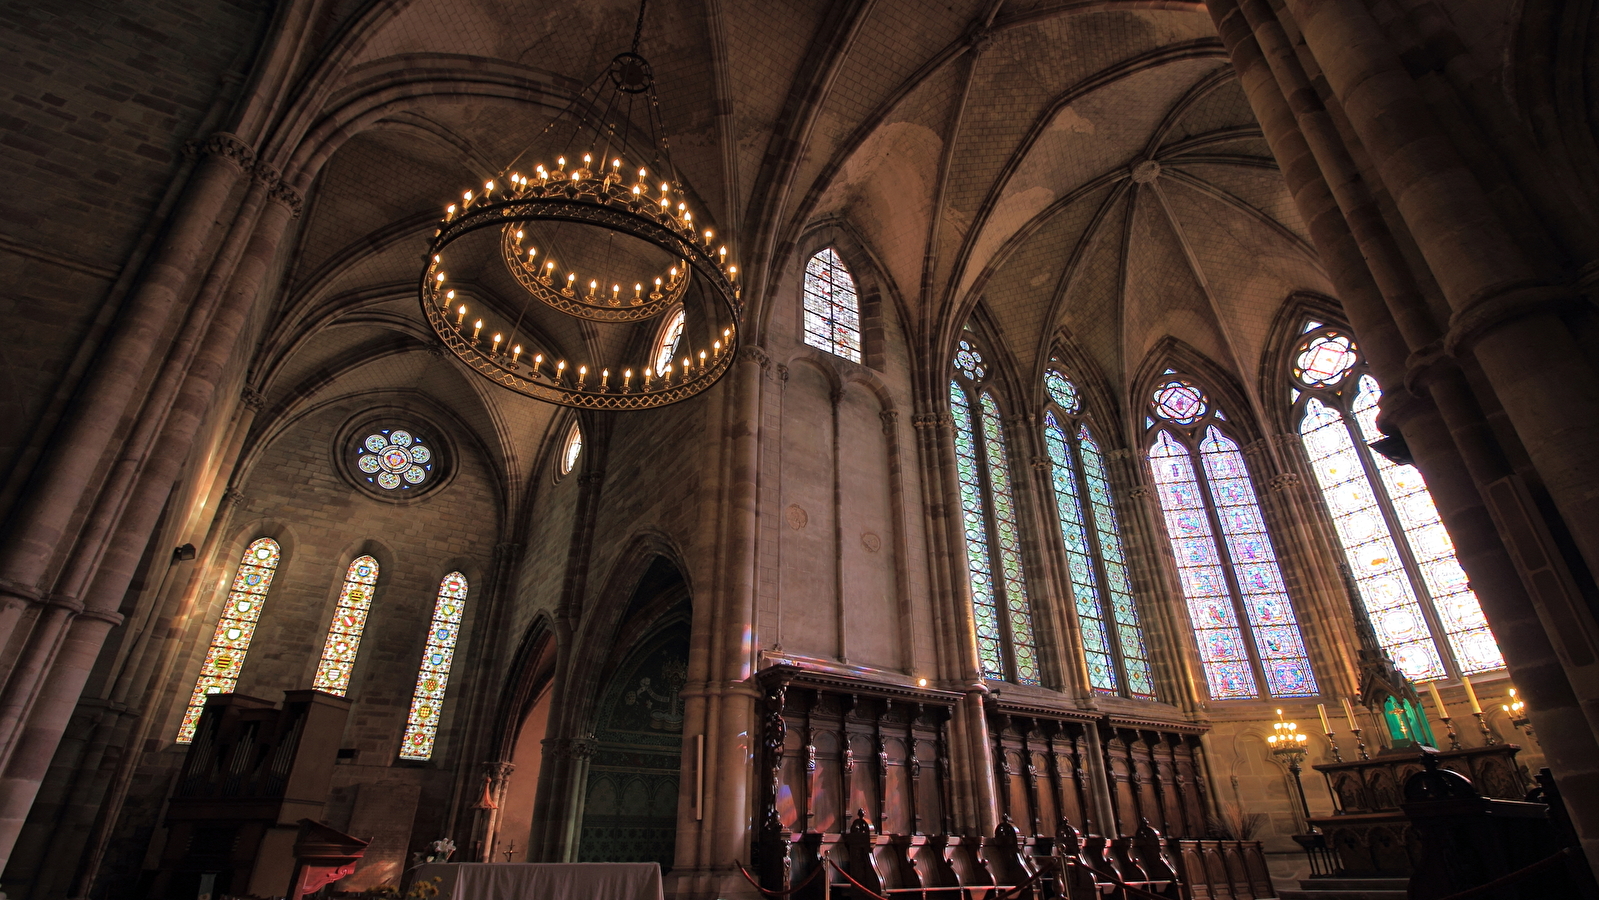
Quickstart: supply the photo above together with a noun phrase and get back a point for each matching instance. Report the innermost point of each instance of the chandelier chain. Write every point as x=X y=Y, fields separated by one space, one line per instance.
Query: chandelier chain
x=638 y=29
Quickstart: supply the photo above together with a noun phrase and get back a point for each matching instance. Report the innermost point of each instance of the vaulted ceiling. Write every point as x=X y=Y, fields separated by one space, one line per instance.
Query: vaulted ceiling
x=1080 y=169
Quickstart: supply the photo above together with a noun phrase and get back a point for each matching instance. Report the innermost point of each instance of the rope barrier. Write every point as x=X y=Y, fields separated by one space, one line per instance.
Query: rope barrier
x=1513 y=877
x=1116 y=880
x=1010 y=893
x=770 y=893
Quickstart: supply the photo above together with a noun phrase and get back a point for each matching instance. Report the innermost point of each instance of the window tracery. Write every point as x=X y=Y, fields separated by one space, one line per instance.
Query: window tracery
x=1238 y=605
x=219 y=674
x=427 y=701
x=349 y=621
x=394 y=459
x=1006 y=648
x=1400 y=555
x=1113 y=640
x=832 y=306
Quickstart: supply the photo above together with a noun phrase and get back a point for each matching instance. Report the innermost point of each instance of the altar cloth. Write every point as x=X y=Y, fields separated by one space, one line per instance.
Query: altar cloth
x=545 y=881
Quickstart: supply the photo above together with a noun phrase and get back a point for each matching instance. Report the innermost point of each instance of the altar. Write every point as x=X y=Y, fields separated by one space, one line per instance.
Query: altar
x=545 y=881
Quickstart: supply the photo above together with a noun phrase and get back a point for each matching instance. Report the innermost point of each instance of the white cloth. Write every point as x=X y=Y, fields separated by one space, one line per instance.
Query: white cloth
x=545 y=881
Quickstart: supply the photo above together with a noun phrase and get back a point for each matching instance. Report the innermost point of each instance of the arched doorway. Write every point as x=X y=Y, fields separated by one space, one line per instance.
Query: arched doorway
x=631 y=794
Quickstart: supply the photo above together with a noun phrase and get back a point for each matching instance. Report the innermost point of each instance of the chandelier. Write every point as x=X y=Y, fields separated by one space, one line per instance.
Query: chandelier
x=605 y=234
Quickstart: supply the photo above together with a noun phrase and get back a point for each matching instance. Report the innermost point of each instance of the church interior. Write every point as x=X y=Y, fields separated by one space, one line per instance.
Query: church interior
x=1077 y=448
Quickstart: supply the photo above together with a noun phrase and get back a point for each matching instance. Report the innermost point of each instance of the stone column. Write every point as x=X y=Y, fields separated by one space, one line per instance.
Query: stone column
x=1456 y=470
x=74 y=662
x=1503 y=313
x=40 y=520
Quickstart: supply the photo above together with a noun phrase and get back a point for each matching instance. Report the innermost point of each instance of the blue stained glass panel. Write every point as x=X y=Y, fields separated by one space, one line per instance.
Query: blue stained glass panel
x=1020 y=614
x=1079 y=561
x=1060 y=390
x=1265 y=603
x=985 y=612
x=1129 y=631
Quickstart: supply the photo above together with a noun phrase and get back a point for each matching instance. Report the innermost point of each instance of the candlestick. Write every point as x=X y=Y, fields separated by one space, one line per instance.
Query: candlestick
x=1360 y=744
x=1349 y=713
x=1321 y=709
x=1332 y=741
x=1454 y=739
x=1471 y=694
x=1432 y=688
x=1488 y=738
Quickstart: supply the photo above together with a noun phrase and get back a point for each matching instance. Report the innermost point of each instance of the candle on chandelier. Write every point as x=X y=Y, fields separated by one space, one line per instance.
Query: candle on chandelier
x=516 y=354
x=646 y=378
x=638 y=291
x=460 y=316
x=702 y=359
x=616 y=294
x=1471 y=694
x=605 y=379
x=538 y=360
x=666 y=374
x=476 y=327
x=593 y=286
x=1326 y=726
x=497 y=338
x=716 y=349
x=582 y=376
x=627 y=380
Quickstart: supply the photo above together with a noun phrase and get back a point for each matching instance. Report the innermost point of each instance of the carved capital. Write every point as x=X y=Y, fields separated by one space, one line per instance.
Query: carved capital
x=498 y=771
x=1284 y=481
x=932 y=420
x=232 y=497
x=282 y=193
x=252 y=398
x=754 y=354
x=890 y=420
x=229 y=147
x=570 y=748
x=1139 y=491
x=1040 y=463
x=1120 y=453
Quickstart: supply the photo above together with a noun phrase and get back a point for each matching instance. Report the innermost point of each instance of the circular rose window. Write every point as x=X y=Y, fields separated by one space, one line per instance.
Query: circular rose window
x=393 y=459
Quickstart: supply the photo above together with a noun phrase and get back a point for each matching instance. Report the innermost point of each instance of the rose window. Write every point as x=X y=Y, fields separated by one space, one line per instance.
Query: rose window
x=394 y=459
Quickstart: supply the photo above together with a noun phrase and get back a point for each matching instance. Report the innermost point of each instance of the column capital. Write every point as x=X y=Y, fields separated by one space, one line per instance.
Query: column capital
x=227 y=146
x=890 y=419
x=1283 y=481
x=932 y=420
x=754 y=354
x=252 y=398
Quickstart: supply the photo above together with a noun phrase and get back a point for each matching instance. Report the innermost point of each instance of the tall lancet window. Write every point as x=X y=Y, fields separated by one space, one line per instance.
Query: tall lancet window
x=1401 y=556
x=832 y=308
x=427 y=701
x=219 y=674
x=1006 y=650
x=349 y=620
x=1238 y=605
x=1113 y=639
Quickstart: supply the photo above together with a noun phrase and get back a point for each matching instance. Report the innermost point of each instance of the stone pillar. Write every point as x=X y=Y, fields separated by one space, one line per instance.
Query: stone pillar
x=138 y=519
x=1504 y=315
x=40 y=520
x=1386 y=309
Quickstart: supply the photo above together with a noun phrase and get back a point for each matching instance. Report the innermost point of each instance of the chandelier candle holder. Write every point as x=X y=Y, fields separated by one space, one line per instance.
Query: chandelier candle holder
x=578 y=236
x=1516 y=712
x=1287 y=744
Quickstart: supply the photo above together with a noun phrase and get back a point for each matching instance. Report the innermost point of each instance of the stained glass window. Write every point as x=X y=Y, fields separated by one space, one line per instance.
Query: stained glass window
x=1238 y=605
x=219 y=674
x=1006 y=648
x=427 y=702
x=1402 y=559
x=394 y=459
x=667 y=342
x=349 y=620
x=1113 y=642
x=572 y=449
x=832 y=309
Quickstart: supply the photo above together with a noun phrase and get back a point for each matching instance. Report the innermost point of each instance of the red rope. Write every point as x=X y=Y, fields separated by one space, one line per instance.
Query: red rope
x=799 y=887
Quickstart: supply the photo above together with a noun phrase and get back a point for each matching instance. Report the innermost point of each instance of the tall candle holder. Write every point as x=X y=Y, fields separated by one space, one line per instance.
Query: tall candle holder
x=1449 y=725
x=1360 y=744
x=1332 y=741
x=1488 y=738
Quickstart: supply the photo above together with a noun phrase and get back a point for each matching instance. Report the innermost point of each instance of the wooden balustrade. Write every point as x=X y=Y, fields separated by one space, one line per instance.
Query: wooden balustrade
x=856 y=775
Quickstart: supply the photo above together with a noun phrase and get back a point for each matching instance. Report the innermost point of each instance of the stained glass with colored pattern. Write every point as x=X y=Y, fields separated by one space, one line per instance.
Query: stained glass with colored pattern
x=1129 y=631
x=832 y=308
x=1254 y=563
x=1018 y=612
x=349 y=620
x=1465 y=627
x=1079 y=560
x=427 y=702
x=1222 y=652
x=980 y=570
x=219 y=674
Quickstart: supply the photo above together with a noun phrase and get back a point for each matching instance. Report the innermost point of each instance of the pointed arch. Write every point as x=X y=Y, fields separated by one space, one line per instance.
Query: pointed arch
x=433 y=676
x=219 y=674
x=349 y=621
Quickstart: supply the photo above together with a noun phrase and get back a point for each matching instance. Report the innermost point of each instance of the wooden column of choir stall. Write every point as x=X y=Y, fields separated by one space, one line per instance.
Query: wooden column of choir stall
x=856 y=784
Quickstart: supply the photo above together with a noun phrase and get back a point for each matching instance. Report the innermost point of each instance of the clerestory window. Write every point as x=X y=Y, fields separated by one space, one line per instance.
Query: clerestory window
x=219 y=674
x=832 y=307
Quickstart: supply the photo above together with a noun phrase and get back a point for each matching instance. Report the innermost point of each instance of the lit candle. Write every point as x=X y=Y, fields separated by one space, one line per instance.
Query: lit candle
x=1349 y=713
x=1471 y=694
x=1326 y=726
x=605 y=379
x=1443 y=711
x=627 y=380
x=497 y=338
x=476 y=327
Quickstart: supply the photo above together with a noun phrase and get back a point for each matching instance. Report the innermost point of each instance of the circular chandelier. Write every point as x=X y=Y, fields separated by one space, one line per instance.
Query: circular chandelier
x=559 y=229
